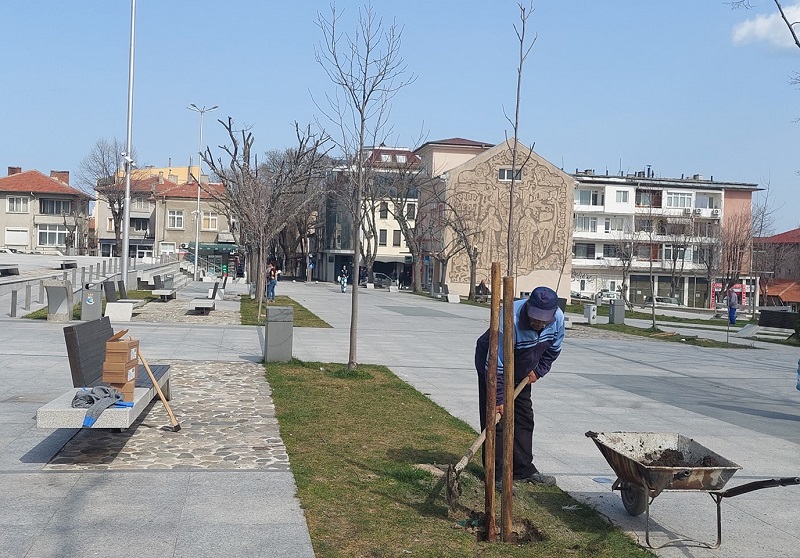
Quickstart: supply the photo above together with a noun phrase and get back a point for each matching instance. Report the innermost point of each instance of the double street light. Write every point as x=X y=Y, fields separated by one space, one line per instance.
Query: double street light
x=198 y=216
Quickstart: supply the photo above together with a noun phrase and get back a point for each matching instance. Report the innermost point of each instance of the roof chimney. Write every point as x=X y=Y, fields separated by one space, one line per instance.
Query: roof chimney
x=14 y=170
x=63 y=176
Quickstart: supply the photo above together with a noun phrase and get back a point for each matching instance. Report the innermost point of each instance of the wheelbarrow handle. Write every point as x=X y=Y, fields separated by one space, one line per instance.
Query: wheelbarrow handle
x=758 y=485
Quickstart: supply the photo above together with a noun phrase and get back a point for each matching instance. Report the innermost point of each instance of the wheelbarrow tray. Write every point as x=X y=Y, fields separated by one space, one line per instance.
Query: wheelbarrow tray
x=630 y=455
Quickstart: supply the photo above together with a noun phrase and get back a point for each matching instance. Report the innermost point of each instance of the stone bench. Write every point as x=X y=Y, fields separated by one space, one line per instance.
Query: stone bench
x=86 y=349
x=205 y=305
x=163 y=288
x=67 y=264
x=9 y=269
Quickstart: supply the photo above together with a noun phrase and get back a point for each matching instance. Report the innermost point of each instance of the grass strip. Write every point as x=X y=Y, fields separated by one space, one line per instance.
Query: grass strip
x=41 y=313
x=669 y=336
x=248 y=308
x=362 y=445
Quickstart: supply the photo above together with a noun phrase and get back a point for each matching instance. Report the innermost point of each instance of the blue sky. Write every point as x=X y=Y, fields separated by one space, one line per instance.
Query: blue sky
x=685 y=86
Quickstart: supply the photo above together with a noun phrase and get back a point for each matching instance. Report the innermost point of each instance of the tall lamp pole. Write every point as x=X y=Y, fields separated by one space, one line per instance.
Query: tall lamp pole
x=202 y=111
x=126 y=219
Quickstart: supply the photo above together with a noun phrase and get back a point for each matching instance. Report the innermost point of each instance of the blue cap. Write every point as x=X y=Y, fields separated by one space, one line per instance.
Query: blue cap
x=542 y=304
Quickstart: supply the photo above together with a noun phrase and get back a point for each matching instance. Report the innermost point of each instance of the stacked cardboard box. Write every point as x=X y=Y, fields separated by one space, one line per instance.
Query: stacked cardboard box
x=119 y=368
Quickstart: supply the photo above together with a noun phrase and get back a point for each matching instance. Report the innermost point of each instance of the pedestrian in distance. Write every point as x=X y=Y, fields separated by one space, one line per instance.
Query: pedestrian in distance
x=538 y=335
x=272 y=280
x=343 y=278
x=732 y=302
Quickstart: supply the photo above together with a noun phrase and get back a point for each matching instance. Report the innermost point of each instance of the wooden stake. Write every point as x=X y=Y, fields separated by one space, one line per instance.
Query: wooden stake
x=491 y=404
x=507 y=502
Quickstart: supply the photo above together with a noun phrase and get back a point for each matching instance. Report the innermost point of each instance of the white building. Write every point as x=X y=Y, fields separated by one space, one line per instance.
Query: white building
x=669 y=224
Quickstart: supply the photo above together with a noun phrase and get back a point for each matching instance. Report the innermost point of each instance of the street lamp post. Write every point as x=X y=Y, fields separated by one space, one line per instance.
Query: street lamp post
x=126 y=212
x=202 y=111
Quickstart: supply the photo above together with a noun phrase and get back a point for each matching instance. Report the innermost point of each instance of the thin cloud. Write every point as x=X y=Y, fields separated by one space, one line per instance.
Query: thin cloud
x=769 y=28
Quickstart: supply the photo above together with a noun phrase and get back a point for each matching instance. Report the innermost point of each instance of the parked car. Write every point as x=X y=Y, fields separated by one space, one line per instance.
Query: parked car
x=604 y=296
x=381 y=280
x=661 y=301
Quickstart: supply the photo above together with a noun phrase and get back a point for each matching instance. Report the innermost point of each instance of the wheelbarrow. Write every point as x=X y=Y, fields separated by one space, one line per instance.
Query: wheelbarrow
x=648 y=463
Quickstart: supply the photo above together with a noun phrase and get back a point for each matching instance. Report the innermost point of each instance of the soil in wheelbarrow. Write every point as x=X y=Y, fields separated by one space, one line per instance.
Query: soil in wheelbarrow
x=675 y=458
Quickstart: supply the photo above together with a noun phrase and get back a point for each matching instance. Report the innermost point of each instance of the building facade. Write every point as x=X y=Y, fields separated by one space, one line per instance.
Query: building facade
x=163 y=221
x=640 y=223
x=43 y=214
x=471 y=199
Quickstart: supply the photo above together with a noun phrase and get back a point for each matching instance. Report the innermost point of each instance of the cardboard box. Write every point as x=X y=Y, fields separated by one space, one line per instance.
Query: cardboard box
x=120 y=372
x=124 y=350
x=126 y=389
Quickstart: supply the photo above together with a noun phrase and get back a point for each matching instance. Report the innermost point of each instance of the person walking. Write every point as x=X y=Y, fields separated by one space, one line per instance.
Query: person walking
x=732 y=302
x=343 y=278
x=538 y=335
x=272 y=280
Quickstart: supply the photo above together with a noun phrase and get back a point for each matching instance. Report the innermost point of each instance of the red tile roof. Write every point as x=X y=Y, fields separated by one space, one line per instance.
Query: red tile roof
x=788 y=237
x=34 y=182
x=461 y=142
x=787 y=289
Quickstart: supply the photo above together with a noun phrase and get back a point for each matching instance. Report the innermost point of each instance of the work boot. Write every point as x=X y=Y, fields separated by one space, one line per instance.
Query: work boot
x=539 y=478
x=498 y=485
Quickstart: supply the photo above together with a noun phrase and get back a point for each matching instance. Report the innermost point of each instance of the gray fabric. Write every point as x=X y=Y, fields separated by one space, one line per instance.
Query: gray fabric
x=95 y=401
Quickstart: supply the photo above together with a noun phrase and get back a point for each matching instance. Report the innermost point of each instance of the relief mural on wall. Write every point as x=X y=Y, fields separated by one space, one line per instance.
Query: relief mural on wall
x=541 y=223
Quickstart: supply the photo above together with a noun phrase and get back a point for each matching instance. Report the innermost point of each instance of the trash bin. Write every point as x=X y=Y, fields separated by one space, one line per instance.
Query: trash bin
x=278 y=334
x=590 y=311
x=616 y=311
x=92 y=301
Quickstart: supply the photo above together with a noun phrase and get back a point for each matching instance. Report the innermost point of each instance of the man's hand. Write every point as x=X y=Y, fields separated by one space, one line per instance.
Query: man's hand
x=499 y=409
x=532 y=377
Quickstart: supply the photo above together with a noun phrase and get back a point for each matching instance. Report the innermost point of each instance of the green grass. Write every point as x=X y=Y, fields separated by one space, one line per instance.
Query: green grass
x=355 y=441
x=669 y=336
x=248 y=309
x=41 y=313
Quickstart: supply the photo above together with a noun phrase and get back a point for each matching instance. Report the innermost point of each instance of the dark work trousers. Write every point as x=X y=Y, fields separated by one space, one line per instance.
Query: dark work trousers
x=523 y=431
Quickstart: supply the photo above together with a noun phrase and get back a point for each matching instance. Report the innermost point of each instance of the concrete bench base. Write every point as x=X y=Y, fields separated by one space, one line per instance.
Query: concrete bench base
x=165 y=294
x=453 y=298
x=202 y=305
x=220 y=294
x=59 y=413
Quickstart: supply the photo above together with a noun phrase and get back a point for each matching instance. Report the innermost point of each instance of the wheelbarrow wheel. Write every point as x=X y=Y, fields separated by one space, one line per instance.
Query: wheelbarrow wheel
x=634 y=499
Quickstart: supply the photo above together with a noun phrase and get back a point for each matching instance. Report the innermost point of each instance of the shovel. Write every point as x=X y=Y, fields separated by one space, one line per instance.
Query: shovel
x=452 y=486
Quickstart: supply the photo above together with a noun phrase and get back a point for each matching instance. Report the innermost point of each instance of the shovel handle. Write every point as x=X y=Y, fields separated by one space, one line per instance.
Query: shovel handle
x=482 y=436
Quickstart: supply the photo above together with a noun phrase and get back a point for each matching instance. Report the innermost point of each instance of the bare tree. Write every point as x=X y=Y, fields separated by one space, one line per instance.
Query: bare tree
x=626 y=245
x=735 y=247
x=678 y=232
x=99 y=173
x=263 y=199
x=516 y=171
x=367 y=69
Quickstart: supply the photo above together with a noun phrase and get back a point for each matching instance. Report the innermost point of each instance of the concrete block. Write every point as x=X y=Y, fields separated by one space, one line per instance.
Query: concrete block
x=119 y=311
x=453 y=298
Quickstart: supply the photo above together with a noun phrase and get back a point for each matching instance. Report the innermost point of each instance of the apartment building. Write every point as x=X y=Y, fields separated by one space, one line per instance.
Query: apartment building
x=42 y=213
x=163 y=220
x=639 y=222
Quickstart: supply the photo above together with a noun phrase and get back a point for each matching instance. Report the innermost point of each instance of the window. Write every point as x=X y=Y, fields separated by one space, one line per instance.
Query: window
x=584 y=223
x=648 y=198
x=679 y=199
x=140 y=225
x=505 y=174
x=52 y=235
x=610 y=251
x=16 y=204
x=54 y=207
x=140 y=204
x=395 y=238
x=175 y=219
x=674 y=252
x=411 y=211
x=583 y=250
x=622 y=196
x=110 y=225
x=384 y=211
x=400 y=158
x=386 y=158
x=16 y=237
x=382 y=237
x=167 y=247
x=209 y=221
x=589 y=197
x=614 y=224
x=644 y=225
